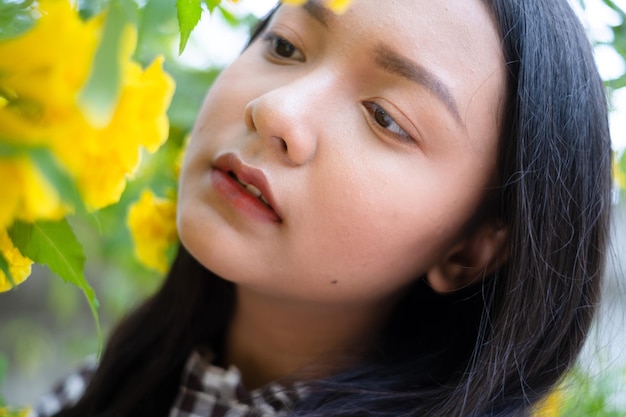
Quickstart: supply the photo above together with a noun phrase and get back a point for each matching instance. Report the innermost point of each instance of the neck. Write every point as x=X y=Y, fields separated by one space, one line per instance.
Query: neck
x=271 y=338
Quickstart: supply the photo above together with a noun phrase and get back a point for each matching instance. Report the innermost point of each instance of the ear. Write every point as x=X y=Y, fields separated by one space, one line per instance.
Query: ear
x=475 y=257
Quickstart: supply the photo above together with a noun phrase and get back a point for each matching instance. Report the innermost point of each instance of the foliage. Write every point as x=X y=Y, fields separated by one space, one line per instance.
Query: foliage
x=618 y=43
x=68 y=144
x=11 y=412
x=16 y=17
x=582 y=394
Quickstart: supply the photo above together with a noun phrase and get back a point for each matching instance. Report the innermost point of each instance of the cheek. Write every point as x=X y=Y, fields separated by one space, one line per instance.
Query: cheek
x=385 y=221
x=219 y=122
x=224 y=103
x=371 y=238
x=230 y=93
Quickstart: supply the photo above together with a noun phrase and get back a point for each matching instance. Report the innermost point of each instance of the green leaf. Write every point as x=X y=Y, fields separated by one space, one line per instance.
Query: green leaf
x=16 y=17
x=54 y=244
x=62 y=182
x=4 y=366
x=101 y=92
x=4 y=267
x=156 y=30
x=212 y=4
x=9 y=149
x=232 y=20
x=90 y=8
x=189 y=13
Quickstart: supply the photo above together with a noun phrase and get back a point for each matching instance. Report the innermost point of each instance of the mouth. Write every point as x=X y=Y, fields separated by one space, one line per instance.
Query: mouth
x=252 y=189
x=254 y=195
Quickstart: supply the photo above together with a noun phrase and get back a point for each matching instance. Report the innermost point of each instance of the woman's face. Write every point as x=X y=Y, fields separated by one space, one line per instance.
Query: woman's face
x=372 y=135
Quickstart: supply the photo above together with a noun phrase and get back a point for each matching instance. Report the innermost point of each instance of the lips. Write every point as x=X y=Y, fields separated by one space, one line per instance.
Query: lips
x=249 y=180
x=253 y=190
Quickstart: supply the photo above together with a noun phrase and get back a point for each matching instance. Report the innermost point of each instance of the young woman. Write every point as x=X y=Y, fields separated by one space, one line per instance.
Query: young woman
x=397 y=211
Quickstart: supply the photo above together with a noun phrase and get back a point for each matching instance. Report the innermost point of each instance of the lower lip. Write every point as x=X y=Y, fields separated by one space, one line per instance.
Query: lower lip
x=241 y=199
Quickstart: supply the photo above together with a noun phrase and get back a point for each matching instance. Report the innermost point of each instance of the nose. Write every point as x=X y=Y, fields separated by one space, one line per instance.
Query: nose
x=285 y=118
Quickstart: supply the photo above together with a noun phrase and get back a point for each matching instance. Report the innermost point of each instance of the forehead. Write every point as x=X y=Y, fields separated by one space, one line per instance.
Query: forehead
x=465 y=20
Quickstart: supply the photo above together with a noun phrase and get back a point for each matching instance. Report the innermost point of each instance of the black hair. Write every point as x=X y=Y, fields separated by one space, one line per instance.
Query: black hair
x=508 y=340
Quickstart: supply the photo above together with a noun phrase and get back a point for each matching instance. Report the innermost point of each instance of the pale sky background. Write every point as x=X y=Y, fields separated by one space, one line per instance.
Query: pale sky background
x=597 y=18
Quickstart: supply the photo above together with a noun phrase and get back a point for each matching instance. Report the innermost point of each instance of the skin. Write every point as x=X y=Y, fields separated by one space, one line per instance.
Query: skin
x=367 y=203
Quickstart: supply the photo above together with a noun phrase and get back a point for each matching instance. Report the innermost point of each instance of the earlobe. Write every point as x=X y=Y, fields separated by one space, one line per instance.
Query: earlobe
x=477 y=256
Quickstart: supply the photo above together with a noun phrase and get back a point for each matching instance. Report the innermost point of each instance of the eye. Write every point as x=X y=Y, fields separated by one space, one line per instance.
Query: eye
x=384 y=120
x=281 y=48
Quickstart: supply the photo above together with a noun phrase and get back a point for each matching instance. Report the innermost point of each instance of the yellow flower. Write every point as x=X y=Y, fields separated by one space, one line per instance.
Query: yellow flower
x=38 y=82
x=10 y=412
x=619 y=171
x=27 y=195
x=44 y=68
x=41 y=76
x=152 y=224
x=337 y=6
x=551 y=406
x=294 y=2
x=19 y=265
x=11 y=192
x=104 y=160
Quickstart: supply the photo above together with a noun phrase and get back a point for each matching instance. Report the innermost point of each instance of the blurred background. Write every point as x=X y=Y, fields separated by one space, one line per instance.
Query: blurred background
x=46 y=328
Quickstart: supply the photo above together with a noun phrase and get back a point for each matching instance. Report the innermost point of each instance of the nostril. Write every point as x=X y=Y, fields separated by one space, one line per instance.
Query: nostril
x=283 y=144
x=280 y=143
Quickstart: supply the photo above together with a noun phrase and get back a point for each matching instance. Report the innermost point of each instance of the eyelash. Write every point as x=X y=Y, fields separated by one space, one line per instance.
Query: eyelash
x=384 y=120
x=274 y=42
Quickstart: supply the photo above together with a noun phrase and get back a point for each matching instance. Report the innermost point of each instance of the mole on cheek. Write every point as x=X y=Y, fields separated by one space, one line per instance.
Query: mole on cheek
x=334 y=282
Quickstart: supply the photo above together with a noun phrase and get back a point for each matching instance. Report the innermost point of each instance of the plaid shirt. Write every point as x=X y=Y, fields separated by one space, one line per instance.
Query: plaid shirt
x=205 y=391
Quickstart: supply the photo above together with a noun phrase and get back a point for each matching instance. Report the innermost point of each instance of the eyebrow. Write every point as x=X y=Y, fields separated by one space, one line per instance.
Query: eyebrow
x=392 y=62
x=318 y=12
